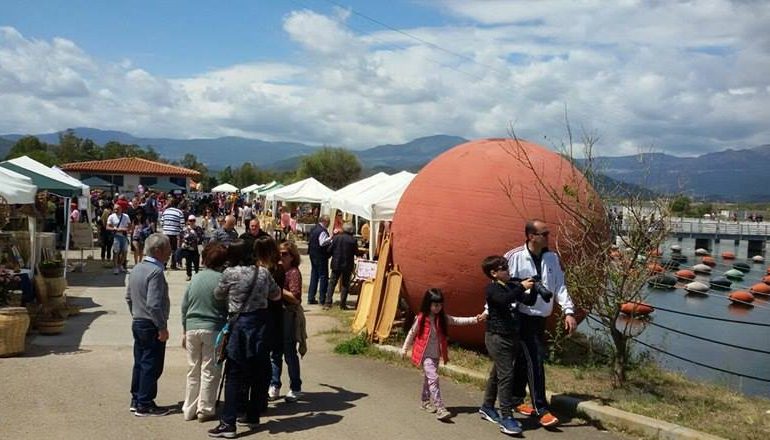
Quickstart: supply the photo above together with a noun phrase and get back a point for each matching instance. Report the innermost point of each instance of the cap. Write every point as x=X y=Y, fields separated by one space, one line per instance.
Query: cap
x=190 y=217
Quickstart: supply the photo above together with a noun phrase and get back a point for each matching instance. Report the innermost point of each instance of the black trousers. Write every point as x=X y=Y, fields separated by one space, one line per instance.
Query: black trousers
x=503 y=350
x=192 y=259
x=528 y=369
x=343 y=276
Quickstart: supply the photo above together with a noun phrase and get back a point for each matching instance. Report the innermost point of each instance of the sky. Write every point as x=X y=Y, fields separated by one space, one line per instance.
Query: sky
x=683 y=78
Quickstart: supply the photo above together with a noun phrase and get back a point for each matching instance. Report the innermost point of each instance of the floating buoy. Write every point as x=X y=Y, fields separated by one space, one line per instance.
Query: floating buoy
x=758 y=259
x=741 y=297
x=670 y=264
x=685 y=274
x=676 y=248
x=655 y=268
x=766 y=279
x=734 y=274
x=743 y=267
x=709 y=261
x=701 y=268
x=663 y=281
x=721 y=283
x=760 y=289
x=727 y=255
x=696 y=287
x=636 y=309
x=680 y=258
x=701 y=252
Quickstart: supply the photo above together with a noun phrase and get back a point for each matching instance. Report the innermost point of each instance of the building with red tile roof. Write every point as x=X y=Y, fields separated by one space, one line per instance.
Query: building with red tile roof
x=127 y=173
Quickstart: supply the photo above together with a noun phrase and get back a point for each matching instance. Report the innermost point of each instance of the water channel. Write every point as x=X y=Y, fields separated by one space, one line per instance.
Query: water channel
x=716 y=304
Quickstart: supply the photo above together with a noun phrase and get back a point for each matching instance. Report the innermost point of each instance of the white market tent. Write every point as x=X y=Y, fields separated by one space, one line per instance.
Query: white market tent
x=340 y=199
x=377 y=203
x=272 y=186
x=16 y=188
x=250 y=188
x=306 y=191
x=224 y=188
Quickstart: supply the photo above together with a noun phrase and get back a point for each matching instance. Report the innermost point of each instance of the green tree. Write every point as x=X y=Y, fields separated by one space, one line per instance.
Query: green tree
x=680 y=205
x=34 y=148
x=334 y=167
x=226 y=176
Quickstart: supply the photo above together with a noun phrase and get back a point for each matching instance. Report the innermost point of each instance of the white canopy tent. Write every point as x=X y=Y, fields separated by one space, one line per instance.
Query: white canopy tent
x=224 y=188
x=340 y=199
x=308 y=191
x=27 y=163
x=250 y=188
x=16 y=188
x=377 y=203
x=19 y=189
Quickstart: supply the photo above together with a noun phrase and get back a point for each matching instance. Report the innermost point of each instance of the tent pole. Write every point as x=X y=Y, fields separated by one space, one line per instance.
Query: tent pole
x=373 y=230
x=67 y=235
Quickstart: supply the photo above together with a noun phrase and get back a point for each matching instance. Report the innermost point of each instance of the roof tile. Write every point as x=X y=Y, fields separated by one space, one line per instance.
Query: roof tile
x=130 y=165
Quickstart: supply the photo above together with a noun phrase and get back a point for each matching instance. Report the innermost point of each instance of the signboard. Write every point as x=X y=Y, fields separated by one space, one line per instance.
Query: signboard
x=366 y=269
x=82 y=235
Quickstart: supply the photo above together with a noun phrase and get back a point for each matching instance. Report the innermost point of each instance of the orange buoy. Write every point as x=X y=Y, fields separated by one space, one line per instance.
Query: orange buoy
x=655 y=268
x=741 y=297
x=727 y=255
x=685 y=274
x=760 y=289
x=636 y=309
x=709 y=261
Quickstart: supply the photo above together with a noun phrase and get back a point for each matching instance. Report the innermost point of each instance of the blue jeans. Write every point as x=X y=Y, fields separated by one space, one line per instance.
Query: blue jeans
x=528 y=369
x=319 y=278
x=149 y=354
x=287 y=351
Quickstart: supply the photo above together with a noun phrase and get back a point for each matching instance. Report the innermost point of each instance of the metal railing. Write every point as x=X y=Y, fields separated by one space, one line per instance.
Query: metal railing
x=716 y=227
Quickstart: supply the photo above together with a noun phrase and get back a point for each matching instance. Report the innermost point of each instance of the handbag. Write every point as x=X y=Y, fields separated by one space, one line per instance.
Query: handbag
x=223 y=338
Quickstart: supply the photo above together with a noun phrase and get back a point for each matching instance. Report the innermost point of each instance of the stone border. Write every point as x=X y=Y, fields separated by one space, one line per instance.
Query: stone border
x=595 y=411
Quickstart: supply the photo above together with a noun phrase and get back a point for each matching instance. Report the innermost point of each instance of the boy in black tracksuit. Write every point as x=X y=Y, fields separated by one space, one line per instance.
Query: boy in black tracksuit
x=502 y=339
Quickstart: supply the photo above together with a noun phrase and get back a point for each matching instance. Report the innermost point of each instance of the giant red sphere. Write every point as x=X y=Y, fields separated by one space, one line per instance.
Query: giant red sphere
x=471 y=202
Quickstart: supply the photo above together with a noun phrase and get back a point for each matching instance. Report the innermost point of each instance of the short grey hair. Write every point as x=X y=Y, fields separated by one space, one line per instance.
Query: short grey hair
x=348 y=227
x=155 y=243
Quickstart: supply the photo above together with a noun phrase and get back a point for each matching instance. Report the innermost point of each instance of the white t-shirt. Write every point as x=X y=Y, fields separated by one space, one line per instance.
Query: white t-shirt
x=119 y=223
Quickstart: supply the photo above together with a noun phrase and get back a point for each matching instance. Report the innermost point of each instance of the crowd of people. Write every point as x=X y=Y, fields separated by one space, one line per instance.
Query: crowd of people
x=250 y=291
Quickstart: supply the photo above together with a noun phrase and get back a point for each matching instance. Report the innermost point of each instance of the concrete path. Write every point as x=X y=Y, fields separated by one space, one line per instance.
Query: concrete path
x=75 y=385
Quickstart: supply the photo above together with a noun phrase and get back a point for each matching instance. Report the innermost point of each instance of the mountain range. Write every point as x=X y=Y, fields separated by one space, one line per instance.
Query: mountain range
x=734 y=175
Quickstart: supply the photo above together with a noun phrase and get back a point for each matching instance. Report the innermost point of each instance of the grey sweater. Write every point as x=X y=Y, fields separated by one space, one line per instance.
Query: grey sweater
x=147 y=294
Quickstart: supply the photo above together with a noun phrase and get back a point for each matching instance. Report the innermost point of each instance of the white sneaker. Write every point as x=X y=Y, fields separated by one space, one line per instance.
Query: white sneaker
x=273 y=392
x=293 y=396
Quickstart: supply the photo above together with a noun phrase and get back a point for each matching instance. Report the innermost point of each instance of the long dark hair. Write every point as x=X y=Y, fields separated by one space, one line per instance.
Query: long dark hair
x=266 y=254
x=431 y=296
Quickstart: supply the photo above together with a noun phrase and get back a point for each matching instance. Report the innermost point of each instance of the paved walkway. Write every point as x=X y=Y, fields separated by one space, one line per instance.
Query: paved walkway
x=75 y=385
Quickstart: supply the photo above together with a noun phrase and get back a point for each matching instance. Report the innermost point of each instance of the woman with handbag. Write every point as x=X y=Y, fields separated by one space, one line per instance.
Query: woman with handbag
x=203 y=316
x=248 y=289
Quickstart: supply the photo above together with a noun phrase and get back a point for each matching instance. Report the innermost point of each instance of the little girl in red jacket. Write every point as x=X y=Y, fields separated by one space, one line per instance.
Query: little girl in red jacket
x=428 y=334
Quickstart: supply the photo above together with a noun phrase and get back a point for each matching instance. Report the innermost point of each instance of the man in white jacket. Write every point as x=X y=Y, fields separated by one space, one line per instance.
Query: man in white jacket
x=531 y=260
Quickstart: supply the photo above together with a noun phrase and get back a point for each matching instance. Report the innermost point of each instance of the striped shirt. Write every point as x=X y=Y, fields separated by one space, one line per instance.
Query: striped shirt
x=172 y=220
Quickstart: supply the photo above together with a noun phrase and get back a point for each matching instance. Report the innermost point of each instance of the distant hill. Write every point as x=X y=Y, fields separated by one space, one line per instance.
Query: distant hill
x=5 y=147
x=215 y=153
x=734 y=175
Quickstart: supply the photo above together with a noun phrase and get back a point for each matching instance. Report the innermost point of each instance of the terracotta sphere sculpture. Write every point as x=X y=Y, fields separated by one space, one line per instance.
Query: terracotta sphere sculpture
x=471 y=202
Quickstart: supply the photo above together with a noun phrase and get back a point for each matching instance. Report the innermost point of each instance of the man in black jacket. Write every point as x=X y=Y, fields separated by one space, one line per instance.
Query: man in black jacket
x=250 y=236
x=317 y=248
x=343 y=250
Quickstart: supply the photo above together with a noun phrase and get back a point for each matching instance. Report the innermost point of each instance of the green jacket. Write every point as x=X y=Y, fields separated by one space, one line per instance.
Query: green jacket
x=200 y=310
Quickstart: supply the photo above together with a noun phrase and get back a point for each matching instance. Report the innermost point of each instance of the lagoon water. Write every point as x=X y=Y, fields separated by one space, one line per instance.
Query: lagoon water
x=715 y=304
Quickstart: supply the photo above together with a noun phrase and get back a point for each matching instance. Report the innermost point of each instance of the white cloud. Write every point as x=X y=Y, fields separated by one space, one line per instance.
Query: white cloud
x=678 y=77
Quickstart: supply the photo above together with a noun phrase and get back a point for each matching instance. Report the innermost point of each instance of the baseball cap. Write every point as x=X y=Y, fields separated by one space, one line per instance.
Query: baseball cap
x=190 y=217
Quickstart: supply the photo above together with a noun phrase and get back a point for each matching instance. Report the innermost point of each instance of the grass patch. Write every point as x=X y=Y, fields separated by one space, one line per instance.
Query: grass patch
x=356 y=345
x=650 y=391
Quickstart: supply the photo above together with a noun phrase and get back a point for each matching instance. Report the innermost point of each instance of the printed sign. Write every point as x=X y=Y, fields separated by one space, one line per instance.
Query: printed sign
x=82 y=235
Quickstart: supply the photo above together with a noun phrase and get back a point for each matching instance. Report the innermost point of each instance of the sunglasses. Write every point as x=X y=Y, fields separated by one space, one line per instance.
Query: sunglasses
x=503 y=267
